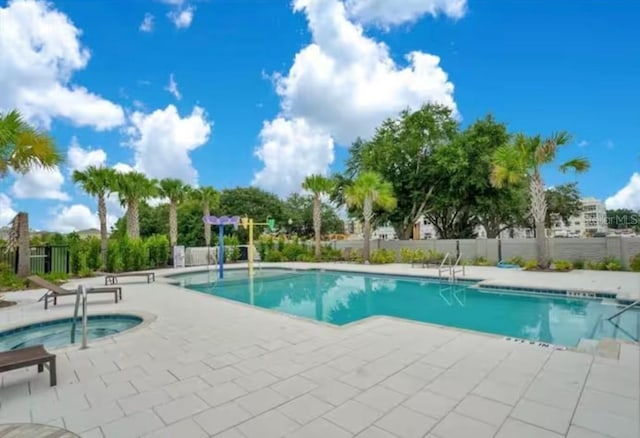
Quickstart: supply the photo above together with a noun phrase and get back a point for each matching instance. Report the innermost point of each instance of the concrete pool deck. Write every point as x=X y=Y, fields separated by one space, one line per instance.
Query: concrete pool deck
x=211 y=367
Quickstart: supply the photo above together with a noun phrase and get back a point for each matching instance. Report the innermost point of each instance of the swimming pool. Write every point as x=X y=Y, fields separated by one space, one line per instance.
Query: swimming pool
x=341 y=298
x=57 y=333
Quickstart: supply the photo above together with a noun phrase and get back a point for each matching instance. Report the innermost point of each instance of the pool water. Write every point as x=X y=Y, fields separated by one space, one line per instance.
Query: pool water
x=57 y=333
x=341 y=298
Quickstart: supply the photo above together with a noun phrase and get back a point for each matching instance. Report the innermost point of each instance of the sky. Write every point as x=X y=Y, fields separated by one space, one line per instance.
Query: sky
x=264 y=92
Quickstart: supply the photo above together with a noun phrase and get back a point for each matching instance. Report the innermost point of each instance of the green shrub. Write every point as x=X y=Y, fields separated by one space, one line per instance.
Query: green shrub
x=352 y=255
x=138 y=256
x=85 y=273
x=481 y=261
x=115 y=263
x=159 y=250
x=407 y=255
x=562 y=265
x=530 y=265
x=56 y=277
x=433 y=257
x=231 y=249
x=612 y=264
x=9 y=280
x=330 y=254
x=635 y=263
x=578 y=264
x=382 y=256
x=596 y=266
x=305 y=258
x=92 y=246
x=281 y=244
x=517 y=260
x=294 y=250
x=274 y=256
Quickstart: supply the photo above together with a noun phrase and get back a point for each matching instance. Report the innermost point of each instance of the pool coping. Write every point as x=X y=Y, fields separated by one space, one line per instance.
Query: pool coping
x=147 y=319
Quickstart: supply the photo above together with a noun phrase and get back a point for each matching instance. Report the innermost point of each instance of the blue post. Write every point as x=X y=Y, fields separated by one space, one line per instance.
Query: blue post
x=221 y=250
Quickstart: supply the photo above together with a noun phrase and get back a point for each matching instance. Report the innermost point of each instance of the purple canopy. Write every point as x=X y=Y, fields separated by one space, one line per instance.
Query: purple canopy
x=222 y=220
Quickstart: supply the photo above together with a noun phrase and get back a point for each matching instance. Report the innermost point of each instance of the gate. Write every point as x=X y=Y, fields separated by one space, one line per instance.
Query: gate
x=45 y=259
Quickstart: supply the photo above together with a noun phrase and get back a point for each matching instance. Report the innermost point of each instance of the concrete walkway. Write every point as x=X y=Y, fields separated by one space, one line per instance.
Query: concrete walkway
x=205 y=366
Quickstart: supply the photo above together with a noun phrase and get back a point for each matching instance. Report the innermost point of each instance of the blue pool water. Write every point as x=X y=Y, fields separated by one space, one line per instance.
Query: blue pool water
x=57 y=333
x=341 y=298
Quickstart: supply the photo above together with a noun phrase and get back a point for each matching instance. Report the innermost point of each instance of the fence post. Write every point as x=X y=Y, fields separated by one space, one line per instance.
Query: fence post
x=48 y=262
x=457 y=249
x=67 y=261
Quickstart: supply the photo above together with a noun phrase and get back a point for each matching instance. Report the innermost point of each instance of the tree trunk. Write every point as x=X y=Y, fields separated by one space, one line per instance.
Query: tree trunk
x=173 y=224
x=24 y=247
x=539 y=213
x=207 y=227
x=133 y=224
x=317 y=224
x=368 y=215
x=102 y=216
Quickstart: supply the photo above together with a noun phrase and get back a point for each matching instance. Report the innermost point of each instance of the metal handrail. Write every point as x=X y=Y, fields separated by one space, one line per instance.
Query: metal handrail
x=81 y=292
x=635 y=303
x=457 y=265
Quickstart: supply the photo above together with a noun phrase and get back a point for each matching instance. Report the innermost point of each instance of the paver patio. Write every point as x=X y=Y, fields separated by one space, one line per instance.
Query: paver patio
x=206 y=366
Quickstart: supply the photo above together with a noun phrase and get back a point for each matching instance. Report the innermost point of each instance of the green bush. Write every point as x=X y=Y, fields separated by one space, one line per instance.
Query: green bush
x=274 y=256
x=612 y=264
x=92 y=246
x=305 y=258
x=159 y=250
x=562 y=265
x=433 y=257
x=294 y=250
x=352 y=255
x=407 y=255
x=56 y=277
x=530 y=265
x=281 y=243
x=635 y=263
x=9 y=280
x=383 y=256
x=138 y=257
x=115 y=260
x=481 y=261
x=578 y=264
x=330 y=254
x=517 y=260
x=84 y=273
x=231 y=249
x=596 y=266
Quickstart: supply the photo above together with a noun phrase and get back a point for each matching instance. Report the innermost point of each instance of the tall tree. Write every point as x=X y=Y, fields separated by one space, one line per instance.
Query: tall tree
x=210 y=199
x=98 y=182
x=318 y=185
x=522 y=161
x=175 y=191
x=369 y=190
x=132 y=188
x=623 y=218
x=254 y=203
x=401 y=151
x=563 y=203
x=298 y=209
x=22 y=146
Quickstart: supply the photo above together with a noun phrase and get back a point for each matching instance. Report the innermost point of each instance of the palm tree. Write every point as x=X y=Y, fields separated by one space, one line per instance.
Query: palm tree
x=98 y=182
x=23 y=146
x=175 y=191
x=133 y=187
x=209 y=197
x=522 y=162
x=318 y=185
x=369 y=190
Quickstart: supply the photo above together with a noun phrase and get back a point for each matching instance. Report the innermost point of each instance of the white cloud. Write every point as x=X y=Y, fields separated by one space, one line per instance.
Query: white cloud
x=628 y=196
x=172 y=87
x=182 y=17
x=76 y=217
x=291 y=150
x=40 y=51
x=147 y=23
x=123 y=168
x=385 y=12
x=7 y=213
x=343 y=85
x=162 y=141
x=79 y=158
x=40 y=183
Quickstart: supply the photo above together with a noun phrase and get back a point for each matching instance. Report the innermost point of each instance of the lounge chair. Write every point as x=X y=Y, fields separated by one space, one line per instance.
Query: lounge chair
x=113 y=278
x=29 y=356
x=54 y=291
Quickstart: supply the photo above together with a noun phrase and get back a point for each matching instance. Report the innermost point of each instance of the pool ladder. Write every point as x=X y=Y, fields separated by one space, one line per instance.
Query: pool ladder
x=635 y=303
x=80 y=293
x=454 y=269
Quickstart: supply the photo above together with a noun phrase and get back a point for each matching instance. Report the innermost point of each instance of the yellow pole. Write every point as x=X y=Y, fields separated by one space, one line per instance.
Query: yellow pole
x=250 y=250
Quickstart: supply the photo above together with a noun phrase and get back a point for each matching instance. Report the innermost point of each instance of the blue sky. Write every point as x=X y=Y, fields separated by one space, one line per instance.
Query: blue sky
x=269 y=91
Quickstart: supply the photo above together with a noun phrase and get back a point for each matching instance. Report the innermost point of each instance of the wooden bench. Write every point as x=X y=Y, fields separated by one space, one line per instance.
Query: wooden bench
x=113 y=278
x=29 y=356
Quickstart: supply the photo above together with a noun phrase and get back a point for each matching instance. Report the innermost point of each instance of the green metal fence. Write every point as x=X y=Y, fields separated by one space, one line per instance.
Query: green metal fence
x=45 y=259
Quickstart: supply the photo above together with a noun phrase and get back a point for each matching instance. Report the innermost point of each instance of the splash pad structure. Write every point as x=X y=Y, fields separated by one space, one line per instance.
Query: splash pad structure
x=221 y=222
